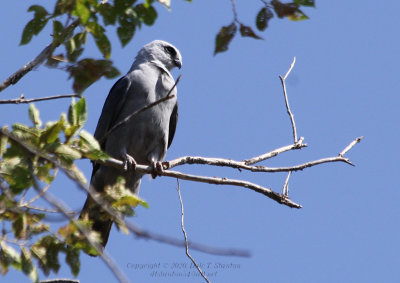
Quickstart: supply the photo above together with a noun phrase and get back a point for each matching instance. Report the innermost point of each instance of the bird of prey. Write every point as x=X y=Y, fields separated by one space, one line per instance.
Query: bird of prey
x=145 y=137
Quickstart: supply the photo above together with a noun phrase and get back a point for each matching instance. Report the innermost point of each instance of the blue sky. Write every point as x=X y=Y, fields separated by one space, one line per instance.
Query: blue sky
x=344 y=85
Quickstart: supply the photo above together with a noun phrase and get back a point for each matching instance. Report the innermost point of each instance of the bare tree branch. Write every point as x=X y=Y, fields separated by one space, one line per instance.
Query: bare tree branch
x=242 y=164
x=287 y=101
x=210 y=180
x=297 y=145
x=43 y=55
x=45 y=209
x=22 y=98
x=350 y=146
x=234 y=10
x=185 y=235
x=285 y=189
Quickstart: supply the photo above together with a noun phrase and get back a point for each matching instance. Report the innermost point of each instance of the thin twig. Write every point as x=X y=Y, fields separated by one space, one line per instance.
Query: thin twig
x=14 y=78
x=43 y=55
x=285 y=189
x=22 y=99
x=65 y=211
x=185 y=235
x=235 y=15
x=45 y=209
x=287 y=101
x=165 y=98
x=353 y=143
x=20 y=243
x=134 y=229
x=297 y=145
x=36 y=197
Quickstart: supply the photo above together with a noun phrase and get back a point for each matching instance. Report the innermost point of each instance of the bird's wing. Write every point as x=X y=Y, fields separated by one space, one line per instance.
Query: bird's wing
x=112 y=108
x=172 y=124
x=109 y=115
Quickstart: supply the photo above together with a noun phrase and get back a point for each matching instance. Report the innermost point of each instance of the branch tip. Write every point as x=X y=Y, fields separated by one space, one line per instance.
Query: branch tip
x=350 y=146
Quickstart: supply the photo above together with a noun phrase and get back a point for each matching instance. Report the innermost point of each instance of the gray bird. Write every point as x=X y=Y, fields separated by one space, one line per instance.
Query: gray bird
x=145 y=137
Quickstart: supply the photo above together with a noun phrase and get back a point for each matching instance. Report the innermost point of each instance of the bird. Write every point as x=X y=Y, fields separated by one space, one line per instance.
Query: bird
x=143 y=138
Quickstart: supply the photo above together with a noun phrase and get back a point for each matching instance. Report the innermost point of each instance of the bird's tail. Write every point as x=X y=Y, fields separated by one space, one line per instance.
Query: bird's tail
x=101 y=221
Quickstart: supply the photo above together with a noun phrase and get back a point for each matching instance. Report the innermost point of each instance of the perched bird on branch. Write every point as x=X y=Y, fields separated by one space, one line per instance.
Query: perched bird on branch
x=143 y=138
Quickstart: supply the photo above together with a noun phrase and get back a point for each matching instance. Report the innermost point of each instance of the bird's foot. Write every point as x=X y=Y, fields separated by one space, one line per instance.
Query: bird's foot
x=129 y=162
x=158 y=169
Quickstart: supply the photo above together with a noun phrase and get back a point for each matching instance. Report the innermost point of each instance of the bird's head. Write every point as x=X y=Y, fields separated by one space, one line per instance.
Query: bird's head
x=163 y=52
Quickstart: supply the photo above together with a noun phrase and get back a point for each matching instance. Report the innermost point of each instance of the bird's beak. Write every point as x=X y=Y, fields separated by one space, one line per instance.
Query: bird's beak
x=178 y=63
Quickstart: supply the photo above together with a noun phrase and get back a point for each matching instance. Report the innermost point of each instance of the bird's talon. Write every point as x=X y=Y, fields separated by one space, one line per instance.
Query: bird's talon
x=158 y=169
x=129 y=162
x=165 y=165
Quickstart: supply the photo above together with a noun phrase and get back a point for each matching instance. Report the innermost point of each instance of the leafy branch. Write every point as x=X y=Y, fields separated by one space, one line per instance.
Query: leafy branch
x=283 y=10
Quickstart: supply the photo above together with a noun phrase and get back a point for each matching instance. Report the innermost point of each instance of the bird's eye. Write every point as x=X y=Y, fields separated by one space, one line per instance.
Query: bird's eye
x=170 y=50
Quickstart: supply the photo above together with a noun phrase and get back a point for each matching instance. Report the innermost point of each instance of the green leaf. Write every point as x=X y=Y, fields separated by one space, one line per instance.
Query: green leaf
x=43 y=172
x=39 y=11
x=298 y=16
x=33 y=27
x=52 y=133
x=90 y=147
x=70 y=131
x=73 y=46
x=224 y=38
x=131 y=200
x=246 y=31
x=108 y=13
x=148 y=3
x=148 y=15
x=46 y=250
x=3 y=263
x=307 y=3
x=10 y=255
x=27 y=34
x=19 y=226
x=120 y=6
x=3 y=144
x=26 y=133
x=125 y=34
x=289 y=10
x=64 y=7
x=67 y=153
x=87 y=71
x=111 y=72
x=89 y=140
x=34 y=115
x=77 y=113
x=102 y=42
x=73 y=261
x=16 y=174
x=58 y=30
x=263 y=17
x=27 y=265
x=82 y=12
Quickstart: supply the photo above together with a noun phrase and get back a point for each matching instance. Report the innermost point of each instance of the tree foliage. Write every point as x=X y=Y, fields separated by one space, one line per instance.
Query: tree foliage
x=31 y=155
x=282 y=10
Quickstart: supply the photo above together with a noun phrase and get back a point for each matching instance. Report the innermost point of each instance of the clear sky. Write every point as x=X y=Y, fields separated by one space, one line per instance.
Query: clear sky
x=344 y=85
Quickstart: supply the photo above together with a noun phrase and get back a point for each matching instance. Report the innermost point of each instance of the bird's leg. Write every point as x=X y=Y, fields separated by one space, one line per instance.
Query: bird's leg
x=158 y=169
x=129 y=162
